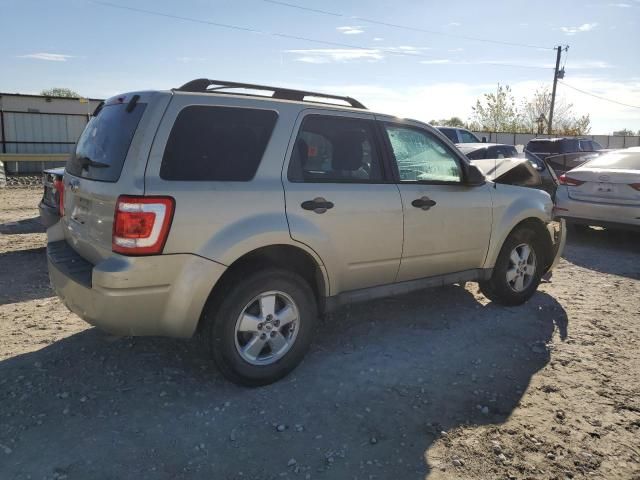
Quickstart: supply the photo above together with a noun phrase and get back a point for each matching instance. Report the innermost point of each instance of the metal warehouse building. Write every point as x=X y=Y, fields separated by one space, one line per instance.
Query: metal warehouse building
x=44 y=128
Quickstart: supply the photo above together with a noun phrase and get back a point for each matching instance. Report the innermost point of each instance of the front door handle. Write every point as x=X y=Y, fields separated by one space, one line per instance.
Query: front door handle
x=318 y=205
x=425 y=203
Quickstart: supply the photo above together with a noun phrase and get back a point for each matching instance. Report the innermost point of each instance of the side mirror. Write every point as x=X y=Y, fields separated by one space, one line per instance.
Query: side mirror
x=474 y=177
x=484 y=139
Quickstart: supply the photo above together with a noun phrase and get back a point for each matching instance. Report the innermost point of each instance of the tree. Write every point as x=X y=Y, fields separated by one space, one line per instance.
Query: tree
x=496 y=112
x=60 y=92
x=625 y=133
x=451 y=122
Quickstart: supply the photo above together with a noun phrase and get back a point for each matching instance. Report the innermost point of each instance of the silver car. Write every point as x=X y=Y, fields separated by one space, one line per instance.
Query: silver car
x=603 y=192
x=242 y=217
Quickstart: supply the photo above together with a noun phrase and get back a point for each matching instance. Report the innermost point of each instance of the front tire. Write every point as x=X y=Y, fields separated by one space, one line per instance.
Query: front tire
x=518 y=269
x=262 y=328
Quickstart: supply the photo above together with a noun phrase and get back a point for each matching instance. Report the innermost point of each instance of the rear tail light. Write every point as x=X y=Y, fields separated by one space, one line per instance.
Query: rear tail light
x=635 y=186
x=141 y=224
x=59 y=186
x=571 y=182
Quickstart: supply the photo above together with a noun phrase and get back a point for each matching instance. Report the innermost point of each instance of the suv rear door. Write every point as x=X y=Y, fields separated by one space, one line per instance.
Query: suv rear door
x=109 y=160
x=447 y=224
x=340 y=199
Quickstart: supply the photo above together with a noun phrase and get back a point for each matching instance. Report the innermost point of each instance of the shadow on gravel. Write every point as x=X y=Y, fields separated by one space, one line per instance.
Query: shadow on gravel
x=30 y=225
x=381 y=382
x=24 y=275
x=621 y=245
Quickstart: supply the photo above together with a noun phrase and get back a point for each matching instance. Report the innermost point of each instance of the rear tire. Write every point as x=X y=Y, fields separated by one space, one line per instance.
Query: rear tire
x=262 y=327
x=518 y=269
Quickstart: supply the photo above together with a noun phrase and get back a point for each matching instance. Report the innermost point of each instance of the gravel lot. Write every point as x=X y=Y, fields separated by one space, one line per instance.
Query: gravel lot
x=439 y=383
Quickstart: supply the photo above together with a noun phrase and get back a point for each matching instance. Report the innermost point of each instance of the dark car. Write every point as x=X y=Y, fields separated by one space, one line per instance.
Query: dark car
x=482 y=151
x=564 y=154
x=52 y=197
x=497 y=151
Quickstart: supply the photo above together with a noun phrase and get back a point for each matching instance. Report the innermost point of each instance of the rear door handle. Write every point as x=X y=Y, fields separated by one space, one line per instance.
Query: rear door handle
x=425 y=203
x=318 y=205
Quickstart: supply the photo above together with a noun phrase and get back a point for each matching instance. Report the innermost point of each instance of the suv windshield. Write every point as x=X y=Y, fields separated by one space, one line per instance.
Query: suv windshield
x=104 y=143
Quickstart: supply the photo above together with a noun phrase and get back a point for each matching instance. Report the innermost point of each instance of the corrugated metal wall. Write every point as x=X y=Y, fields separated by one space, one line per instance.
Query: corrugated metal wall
x=27 y=132
x=607 y=141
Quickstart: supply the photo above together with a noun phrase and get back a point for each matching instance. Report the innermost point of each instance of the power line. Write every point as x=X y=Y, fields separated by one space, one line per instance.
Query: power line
x=405 y=27
x=598 y=96
x=390 y=51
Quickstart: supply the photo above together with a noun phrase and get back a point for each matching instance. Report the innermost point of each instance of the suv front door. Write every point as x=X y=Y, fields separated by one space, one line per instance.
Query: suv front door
x=447 y=224
x=341 y=200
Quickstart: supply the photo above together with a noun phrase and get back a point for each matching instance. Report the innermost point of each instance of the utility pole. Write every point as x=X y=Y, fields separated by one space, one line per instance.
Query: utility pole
x=556 y=75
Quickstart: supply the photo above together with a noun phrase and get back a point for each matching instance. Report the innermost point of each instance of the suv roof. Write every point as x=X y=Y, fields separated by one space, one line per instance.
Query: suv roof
x=205 y=85
x=557 y=139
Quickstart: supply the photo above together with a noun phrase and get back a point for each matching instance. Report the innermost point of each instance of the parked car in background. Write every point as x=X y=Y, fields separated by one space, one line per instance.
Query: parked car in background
x=244 y=216
x=548 y=176
x=498 y=170
x=604 y=191
x=460 y=135
x=52 y=197
x=481 y=151
x=564 y=154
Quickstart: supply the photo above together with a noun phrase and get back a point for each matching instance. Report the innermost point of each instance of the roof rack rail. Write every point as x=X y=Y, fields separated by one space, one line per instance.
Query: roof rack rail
x=203 y=84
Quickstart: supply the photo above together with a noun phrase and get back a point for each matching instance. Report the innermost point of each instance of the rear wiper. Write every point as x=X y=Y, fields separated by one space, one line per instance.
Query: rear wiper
x=87 y=162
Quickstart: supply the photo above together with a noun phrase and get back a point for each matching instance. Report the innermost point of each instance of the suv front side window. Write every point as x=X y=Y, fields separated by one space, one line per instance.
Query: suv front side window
x=421 y=156
x=336 y=150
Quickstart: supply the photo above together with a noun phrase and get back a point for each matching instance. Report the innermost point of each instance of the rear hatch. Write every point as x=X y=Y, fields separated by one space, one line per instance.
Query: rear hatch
x=108 y=161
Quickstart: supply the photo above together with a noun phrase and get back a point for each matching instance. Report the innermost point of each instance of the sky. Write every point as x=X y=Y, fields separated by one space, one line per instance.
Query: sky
x=412 y=58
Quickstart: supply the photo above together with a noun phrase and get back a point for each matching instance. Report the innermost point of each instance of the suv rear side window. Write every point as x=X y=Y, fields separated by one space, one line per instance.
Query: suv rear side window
x=104 y=143
x=217 y=144
x=335 y=149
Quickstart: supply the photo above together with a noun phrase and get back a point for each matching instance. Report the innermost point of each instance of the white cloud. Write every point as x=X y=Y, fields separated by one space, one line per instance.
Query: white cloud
x=454 y=50
x=405 y=49
x=453 y=24
x=341 y=55
x=378 y=39
x=350 y=30
x=585 y=27
x=50 y=57
x=620 y=5
x=436 y=61
x=329 y=55
x=443 y=100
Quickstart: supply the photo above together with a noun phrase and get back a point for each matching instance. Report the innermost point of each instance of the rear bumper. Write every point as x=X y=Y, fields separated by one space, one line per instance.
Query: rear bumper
x=153 y=295
x=48 y=215
x=592 y=213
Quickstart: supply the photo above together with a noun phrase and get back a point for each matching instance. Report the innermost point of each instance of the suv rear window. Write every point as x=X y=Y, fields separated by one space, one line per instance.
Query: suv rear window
x=104 y=143
x=217 y=143
x=544 y=146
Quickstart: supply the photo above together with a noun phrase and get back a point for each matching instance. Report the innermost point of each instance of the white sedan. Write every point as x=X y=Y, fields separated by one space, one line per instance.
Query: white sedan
x=604 y=191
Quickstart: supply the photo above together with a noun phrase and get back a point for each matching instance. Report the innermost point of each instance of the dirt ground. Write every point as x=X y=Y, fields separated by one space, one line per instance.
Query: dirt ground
x=438 y=384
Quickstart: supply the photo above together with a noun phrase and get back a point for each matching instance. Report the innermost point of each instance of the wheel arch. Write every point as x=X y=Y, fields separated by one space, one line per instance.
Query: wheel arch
x=540 y=229
x=282 y=256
